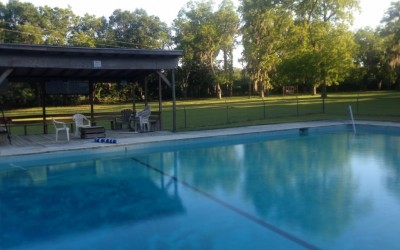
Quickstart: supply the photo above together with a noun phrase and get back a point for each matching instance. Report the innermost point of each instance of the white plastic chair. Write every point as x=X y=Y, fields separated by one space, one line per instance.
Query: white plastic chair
x=144 y=116
x=60 y=126
x=144 y=123
x=80 y=122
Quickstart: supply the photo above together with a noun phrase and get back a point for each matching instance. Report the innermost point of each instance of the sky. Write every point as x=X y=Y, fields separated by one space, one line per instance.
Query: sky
x=371 y=13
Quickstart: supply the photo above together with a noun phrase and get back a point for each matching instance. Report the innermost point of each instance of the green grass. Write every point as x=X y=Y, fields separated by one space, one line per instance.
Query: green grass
x=212 y=113
x=242 y=111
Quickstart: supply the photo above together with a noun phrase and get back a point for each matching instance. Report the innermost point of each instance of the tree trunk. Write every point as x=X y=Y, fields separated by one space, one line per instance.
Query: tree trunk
x=379 y=85
x=314 y=90
x=255 y=86
x=262 y=89
x=219 y=92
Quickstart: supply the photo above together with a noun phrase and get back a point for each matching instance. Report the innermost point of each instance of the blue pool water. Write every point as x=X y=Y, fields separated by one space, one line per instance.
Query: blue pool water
x=320 y=188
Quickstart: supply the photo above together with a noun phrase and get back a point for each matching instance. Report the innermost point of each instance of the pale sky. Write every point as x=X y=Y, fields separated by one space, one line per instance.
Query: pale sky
x=372 y=10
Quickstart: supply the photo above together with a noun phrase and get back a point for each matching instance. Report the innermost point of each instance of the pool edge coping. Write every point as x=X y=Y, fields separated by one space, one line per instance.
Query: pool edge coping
x=178 y=136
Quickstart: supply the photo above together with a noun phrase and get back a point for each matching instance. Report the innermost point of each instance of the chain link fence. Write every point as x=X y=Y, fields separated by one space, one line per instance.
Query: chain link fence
x=231 y=112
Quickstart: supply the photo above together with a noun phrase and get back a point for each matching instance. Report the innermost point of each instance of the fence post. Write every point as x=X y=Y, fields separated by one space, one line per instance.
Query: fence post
x=297 y=106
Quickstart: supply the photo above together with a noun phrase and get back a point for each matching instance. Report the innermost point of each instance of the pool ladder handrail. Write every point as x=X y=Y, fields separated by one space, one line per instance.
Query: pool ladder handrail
x=352 y=119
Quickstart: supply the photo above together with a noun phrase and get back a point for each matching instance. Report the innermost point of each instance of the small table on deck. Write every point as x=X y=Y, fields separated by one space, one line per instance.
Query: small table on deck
x=92 y=132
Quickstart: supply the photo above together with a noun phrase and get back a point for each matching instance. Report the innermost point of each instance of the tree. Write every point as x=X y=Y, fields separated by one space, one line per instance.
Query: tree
x=89 y=31
x=370 y=58
x=138 y=30
x=203 y=34
x=325 y=58
x=227 y=22
x=322 y=47
x=266 y=25
x=391 y=33
x=2 y=22
x=21 y=23
x=57 y=25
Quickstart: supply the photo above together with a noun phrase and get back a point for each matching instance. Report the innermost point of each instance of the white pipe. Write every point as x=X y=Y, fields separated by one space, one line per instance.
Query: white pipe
x=352 y=119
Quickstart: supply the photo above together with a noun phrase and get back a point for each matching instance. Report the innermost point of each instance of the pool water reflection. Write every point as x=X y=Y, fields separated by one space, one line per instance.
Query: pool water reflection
x=326 y=189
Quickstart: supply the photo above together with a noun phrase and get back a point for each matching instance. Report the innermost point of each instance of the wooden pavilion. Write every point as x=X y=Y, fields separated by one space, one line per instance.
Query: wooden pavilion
x=74 y=70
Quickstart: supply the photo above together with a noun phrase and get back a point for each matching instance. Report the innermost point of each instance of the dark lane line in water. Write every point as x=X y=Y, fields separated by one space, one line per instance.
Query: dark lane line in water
x=264 y=224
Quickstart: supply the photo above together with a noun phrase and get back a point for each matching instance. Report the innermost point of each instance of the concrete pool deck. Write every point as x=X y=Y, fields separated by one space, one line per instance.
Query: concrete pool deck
x=24 y=145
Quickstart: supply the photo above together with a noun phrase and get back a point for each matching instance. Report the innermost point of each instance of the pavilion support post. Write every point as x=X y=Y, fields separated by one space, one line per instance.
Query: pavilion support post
x=173 y=102
x=146 y=99
x=133 y=98
x=160 y=101
x=43 y=90
x=91 y=97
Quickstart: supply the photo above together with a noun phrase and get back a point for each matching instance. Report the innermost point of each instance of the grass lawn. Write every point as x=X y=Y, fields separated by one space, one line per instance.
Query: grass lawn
x=211 y=113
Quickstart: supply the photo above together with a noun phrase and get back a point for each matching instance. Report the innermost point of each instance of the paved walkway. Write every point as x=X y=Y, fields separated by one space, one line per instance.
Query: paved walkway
x=22 y=145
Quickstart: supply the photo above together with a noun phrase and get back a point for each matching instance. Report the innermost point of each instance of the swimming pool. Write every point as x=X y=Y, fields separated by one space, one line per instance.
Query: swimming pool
x=298 y=189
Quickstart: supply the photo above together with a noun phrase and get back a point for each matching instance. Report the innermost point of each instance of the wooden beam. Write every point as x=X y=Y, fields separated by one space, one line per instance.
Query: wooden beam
x=146 y=99
x=165 y=79
x=43 y=88
x=5 y=74
x=133 y=98
x=79 y=62
x=91 y=97
x=160 y=101
x=173 y=102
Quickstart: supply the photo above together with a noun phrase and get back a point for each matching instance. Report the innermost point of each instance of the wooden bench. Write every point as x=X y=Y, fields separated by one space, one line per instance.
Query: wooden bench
x=92 y=132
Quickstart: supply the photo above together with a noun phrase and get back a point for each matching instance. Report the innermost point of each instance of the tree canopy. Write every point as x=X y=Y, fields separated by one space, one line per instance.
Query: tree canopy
x=391 y=33
x=203 y=34
x=305 y=41
x=308 y=43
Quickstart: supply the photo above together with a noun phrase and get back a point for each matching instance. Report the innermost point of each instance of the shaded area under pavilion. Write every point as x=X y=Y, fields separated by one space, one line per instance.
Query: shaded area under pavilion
x=74 y=70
